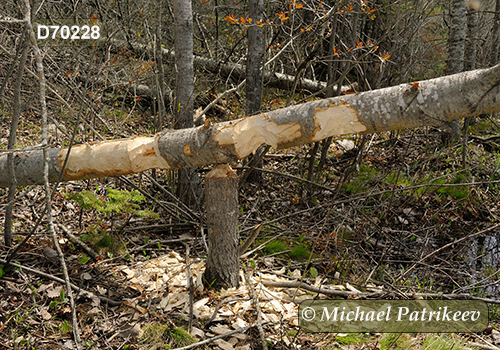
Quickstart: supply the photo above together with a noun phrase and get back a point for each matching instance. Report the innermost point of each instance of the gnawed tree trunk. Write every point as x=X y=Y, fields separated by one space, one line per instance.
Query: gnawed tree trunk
x=221 y=200
x=426 y=103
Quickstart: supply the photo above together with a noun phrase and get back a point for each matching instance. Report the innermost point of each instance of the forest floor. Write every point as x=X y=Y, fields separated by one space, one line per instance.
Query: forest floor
x=372 y=219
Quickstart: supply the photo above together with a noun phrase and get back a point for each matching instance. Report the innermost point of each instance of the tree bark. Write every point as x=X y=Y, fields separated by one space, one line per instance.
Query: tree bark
x=495 y=47
x=253 y=73
x=456 y=50
x=221 y=197
x=188 y=184
x=254 y=58
x=428 y=103
x=10 y=168
x=234 y=70
x=471 y=47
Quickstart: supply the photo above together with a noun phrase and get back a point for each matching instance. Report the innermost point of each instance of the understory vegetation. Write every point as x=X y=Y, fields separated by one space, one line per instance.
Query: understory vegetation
x=402 y=214
x=368 y=218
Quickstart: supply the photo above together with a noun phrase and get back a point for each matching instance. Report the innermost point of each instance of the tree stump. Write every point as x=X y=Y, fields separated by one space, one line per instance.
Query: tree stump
x=221 y=199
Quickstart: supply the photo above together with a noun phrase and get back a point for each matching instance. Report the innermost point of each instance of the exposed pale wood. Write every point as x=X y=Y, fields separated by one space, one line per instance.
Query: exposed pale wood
x=431 y=103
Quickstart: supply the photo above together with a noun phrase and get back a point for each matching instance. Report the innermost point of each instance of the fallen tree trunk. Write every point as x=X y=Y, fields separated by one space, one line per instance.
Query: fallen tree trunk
x=426 y=103
x=229 y=69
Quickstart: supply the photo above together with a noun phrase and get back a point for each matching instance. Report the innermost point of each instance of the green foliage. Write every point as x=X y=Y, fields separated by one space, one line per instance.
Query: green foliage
x=362 y=181
x=351 y=339
x=395 y=341
x=455 y=192
x=161 y=336
x=83 y=260
x=299 y=252
x=274 y=247
x=65 y=327
x=119 y=202
x=441 y=342
x=105 y=242
x=314 y=272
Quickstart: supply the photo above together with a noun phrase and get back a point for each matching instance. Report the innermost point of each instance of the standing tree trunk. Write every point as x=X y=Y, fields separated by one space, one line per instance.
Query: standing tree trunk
x=254 y=77
x=25 y=44
x=254 y=58
x=495 y=47
x=456 y=48
x=188 y=185
x=221 y=197
x=471 y=47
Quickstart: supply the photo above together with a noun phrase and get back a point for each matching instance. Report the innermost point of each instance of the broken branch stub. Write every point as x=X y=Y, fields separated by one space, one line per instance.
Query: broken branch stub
x=430 y=103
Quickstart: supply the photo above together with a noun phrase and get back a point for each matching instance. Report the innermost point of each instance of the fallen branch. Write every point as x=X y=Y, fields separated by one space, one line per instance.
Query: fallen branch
x=206 y=341
x=373 y=295
x=93 y=255
x=60 y=280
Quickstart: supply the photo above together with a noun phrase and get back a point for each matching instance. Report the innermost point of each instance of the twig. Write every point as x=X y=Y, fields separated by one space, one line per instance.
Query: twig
x=259 y=154
x=12 y=139
x=206 y=341
x=185 y=209
x=306 y=286
x=255 y=232
x=189 y=275
x=214 y=314
x=345 y=294
x=157 y=227
x=454 y=297
x=483 y=346
x=255 y=300
x=60 y=280
x=292 y=177
x=261 y=246
x=48 y=197
x=220 y=97
x=93 y=255
x=445 y=247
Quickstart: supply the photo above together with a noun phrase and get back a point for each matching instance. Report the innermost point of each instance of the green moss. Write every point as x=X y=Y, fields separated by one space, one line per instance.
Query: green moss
x=455 y=192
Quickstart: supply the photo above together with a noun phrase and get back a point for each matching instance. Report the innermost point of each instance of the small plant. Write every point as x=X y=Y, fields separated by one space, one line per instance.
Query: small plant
x=65 y=327
x=274 y=247
x=119 y=202
x=442 y=342
x=351 y=339
x=161 y=336
x=299 y=252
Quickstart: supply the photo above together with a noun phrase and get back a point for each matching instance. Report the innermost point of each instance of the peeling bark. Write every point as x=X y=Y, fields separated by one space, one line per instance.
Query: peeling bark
x=431 y=103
